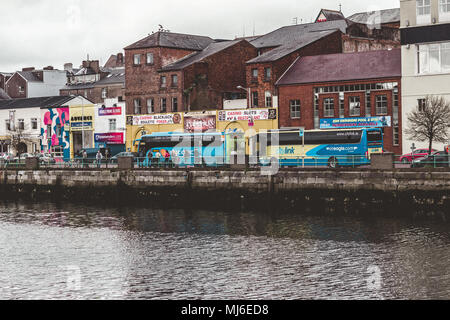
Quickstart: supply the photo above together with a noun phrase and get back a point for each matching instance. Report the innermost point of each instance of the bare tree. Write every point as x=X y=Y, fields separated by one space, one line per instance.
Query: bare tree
x=18 y=137
x=430 y=122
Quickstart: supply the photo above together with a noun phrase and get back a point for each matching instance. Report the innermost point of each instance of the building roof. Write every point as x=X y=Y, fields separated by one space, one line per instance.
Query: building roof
x=4 y=95
x=293 y=33
x=29 y=76
x=290 y=47
x=377 y=17
x=330 y=15
x=172 y=40
x=195 y=57
x=344 y=67
x=41 y=102
x=115 y=76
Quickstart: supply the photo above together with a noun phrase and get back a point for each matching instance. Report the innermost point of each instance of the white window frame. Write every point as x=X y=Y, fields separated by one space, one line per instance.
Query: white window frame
x=150 y=58
x=151 y=105
x=423 y=17
x=352 y=106
x=327 y=102
x=444 y=10
x=268 y=99
x=173 y=103
x=137 y=59
x=21 y=124
x=112 y=124
x=34 y=121
x=381 y=111
x=424 y=49
x=137 y=106
x=163 y=102
x=104 y=93
x=295 y=109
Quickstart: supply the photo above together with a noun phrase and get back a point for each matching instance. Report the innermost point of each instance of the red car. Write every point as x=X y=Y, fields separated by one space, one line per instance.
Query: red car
x=419 y=153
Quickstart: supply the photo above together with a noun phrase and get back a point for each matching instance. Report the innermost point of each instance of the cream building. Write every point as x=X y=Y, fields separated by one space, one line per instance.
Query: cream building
x=425 y=32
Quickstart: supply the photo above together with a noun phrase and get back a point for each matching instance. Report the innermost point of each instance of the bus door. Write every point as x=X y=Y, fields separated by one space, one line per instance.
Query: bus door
x=374 y=142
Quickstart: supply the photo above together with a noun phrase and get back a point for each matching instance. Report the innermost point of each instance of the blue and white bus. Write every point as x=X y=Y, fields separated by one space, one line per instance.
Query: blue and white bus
x=332 y=148
x=185 y=149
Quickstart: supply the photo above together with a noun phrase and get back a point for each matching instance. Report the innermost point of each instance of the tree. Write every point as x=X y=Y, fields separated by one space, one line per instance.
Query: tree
x=430 y=122
x=19 y=137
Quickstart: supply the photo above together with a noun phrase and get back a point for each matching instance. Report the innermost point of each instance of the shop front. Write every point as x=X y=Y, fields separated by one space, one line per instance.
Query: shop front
x=81 y=129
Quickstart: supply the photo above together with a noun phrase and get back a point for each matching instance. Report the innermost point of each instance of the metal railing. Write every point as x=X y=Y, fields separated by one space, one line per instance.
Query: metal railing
x=328 y=161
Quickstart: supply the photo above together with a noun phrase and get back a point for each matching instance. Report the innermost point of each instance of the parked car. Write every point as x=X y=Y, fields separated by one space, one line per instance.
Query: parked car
x=123 y=154
x=46 y=158
x=439 y=159
x=417 y=154
x=23 y=156
x=6 y=156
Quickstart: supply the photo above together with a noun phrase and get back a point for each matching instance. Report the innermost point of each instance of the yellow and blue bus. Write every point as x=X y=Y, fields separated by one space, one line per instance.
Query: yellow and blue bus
x=332 y=148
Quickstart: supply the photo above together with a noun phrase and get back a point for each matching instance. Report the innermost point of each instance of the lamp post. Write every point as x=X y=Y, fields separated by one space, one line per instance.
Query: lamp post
x=248 y=94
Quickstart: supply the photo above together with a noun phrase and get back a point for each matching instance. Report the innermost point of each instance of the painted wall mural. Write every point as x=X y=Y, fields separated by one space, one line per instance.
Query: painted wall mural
x=55 y=131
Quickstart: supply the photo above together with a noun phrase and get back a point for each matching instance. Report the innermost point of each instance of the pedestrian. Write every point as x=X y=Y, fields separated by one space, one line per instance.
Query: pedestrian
x=187 y=157
x=99 y=158
x=167 y=158
x=85 y=155
x=158 y=157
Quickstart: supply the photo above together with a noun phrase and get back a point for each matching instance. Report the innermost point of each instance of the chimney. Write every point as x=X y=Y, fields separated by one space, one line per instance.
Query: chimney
x=28 y=69
x=48 y=68
x=120 y=59
x=68 y=67
x=95 y=65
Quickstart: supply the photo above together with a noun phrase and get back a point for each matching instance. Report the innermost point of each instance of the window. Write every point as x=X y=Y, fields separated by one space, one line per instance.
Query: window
x=174 y=80
x=57 y=151
x=396 y=135
x=423 y=11
x=354 y=106
x=267 y=74
x=433 y=58
x=137 y=59
x=21 y=124
x=381 y=105
x=254 y=75
x=150 y=105
x=174 y=104
x=58 y=130
x=112 y=124
x=421 y=104
x=295 y=109
x=149 y=58
x=444 y=10
x=104 y=93
x=8 y=125
x=163 y=81
x=268 y=99
x=137 y=106
x=328 y=107
x=21 y=89
x=255 y=102
x=163 y=105
x=34 y=125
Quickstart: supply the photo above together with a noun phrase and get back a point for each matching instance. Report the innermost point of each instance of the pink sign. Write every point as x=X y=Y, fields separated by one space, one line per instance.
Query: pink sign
x=115 y=111
x=109 y=138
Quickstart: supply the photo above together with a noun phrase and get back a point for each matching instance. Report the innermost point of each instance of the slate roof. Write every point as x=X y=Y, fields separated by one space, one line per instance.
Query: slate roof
x=195 y=57
x=293 y=33
x=41 y=102
x=331 y=15
x=29 y=76
x=116 y=76
x=288 y=48
x=172 y=40
x=344 y=67
x=375 y=17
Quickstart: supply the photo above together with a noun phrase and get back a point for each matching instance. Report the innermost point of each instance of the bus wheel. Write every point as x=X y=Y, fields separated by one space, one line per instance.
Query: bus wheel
x=333 y=163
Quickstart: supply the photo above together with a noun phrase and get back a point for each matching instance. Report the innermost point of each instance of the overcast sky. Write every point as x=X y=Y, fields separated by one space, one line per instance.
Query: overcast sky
x=39 y=33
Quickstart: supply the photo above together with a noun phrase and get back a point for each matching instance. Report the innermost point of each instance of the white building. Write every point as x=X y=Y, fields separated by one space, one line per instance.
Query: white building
x=425 y=29
x=110 y=125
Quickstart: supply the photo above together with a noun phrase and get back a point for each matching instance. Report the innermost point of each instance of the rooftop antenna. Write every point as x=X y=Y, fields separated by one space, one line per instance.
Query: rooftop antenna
x=254 y=28
x=340 y=7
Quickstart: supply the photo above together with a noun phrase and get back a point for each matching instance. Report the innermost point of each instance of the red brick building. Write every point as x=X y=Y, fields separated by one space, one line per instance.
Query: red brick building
x=331 y=33
x=145 y=58
x=344 y=86
x=202 y=80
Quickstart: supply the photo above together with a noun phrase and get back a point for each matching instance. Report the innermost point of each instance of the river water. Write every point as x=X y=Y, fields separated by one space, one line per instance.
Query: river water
x=55 y=251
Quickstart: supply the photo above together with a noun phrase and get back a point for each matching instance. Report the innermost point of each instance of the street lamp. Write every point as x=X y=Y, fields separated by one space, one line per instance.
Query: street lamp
x=248 y=94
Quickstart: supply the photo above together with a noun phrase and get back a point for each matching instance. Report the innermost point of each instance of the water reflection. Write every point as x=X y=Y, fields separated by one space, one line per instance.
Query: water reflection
x=68 y=251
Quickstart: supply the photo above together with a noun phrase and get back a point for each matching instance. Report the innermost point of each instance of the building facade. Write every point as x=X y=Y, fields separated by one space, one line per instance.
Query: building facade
x=110 y=125
x=31 y=83
x=347 y=90
x=425 y=28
